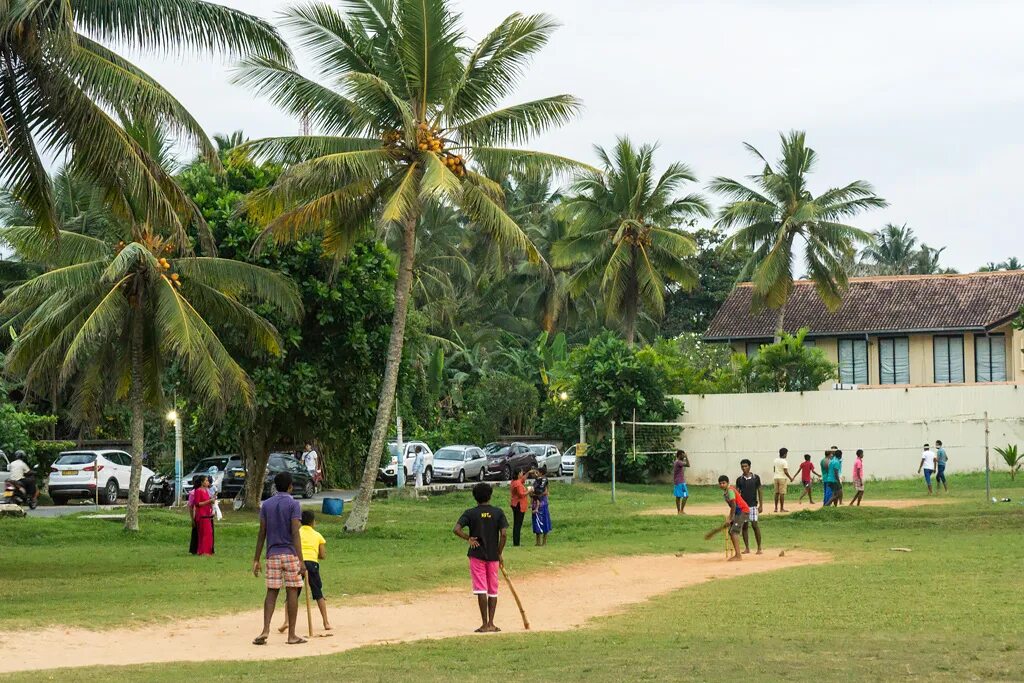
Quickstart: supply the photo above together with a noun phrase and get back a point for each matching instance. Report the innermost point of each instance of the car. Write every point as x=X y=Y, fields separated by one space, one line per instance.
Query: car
x=388 y=473
x=5 y=467
x=549 y=459
x=568 y=465
x=76 y=474
x=506 y=460
x=302 y=483
x=222 y=462
x=459 y=463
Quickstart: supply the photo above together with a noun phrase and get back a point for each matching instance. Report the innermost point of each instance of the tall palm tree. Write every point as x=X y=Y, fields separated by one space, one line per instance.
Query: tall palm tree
x=778 y=209
x=628 y=233
x=409 y=108
x=58 y=83
x=893 y=251
x=107 y=316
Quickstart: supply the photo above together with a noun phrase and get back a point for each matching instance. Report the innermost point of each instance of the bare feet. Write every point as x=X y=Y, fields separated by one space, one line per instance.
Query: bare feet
x=734 y=558
x=758 y=551
x=783 y=510
x=284 y=627
x=482 y=629
x=747 y=551
x=328 y=627
x=260 y=639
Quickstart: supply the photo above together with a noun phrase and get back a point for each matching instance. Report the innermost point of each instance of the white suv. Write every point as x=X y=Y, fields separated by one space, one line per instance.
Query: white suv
x=549 y=460
x=388 y=472
x=77 y=474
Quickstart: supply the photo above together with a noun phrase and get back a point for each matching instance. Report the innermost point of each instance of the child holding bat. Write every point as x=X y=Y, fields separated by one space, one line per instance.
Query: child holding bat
x=738 y=514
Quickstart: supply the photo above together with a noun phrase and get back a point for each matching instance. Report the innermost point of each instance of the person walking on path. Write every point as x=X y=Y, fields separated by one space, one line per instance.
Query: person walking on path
x=280 y=523
x=826 y=479
x=202 y=515
x=541 y=516
x=928 y=465
x=679 y=481
x=519 y=500
x=940 y=460
x=782 y=478
x=311 y=460
x=749 y=486
x=807 y=475
x=858 y=478
x=417 y=466
x=738 y=511
x=486 y=535
x=837 y=484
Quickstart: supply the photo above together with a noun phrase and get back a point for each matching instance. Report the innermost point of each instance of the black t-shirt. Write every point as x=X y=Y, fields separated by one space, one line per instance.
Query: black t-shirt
x=485 y=523
x=748 y=488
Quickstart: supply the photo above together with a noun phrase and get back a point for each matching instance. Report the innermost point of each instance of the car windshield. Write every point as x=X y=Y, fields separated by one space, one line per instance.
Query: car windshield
x=449 y=454
x=75 y=458
x=206 y=463
x=539 y=450
x=495 y=448
x=393 y=450
x=499 y=452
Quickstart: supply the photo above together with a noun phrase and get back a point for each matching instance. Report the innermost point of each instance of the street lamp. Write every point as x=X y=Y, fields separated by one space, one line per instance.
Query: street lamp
x=179 y=449
x=564 y=396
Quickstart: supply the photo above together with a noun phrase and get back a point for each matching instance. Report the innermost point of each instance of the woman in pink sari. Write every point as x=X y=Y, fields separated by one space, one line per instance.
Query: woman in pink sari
x=202 y=515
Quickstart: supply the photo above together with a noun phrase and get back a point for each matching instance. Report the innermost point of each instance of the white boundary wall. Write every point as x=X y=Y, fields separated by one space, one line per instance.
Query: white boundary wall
x=890 y=424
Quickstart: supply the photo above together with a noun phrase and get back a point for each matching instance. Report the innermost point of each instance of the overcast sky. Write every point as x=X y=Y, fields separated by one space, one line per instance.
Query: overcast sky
x=923 y=99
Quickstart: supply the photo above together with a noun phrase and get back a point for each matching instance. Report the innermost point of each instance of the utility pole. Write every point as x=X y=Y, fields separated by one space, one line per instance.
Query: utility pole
x=988 y=482
x=581 y=450
x=400 y=464
x=613 y=461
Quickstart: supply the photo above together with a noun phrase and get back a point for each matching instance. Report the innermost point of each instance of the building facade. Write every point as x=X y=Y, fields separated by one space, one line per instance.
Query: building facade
x=917 y=330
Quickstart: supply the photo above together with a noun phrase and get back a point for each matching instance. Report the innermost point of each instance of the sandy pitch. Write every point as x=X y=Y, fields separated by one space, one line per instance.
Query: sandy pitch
x=720 y=510
x=556 y=600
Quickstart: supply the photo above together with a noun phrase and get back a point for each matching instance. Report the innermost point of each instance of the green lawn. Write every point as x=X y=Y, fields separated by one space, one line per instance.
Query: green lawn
x=947 y=611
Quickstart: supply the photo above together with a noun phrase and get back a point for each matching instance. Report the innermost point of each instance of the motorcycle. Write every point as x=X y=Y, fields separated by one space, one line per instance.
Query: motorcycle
x=160 y=490
x=15 y=493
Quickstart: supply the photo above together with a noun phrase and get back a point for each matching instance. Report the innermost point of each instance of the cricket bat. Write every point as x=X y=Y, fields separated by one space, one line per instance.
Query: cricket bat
x=714 y=532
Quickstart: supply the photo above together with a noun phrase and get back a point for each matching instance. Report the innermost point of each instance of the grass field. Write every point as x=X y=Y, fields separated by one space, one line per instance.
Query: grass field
x=949 y=610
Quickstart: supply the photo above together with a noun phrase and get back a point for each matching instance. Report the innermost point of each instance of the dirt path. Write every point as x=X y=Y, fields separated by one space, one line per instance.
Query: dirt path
x=556 y=600
x=720 y=510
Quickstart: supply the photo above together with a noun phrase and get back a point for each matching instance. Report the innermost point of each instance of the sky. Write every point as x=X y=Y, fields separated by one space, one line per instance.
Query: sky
x=922 y=99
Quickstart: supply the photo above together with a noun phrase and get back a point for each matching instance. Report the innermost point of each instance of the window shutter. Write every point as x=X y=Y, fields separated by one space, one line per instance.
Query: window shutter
x=941 y=354
x=956 y=359
x=998 y=354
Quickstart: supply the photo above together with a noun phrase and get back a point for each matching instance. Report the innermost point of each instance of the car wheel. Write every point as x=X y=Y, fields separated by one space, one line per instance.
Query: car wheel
x=309 y=490
x=507 y=474
x=110 y=492
x=428 y=476
x=59 y=500
x=148 y=495
x=483 y=474
x=462 y=476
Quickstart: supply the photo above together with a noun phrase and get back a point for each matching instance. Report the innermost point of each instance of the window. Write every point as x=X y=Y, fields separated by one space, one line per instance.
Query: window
x=894 y=360
x=753 y=348
x=949 y=359
x=990 y=357
x=853 y=361
x=810 y=343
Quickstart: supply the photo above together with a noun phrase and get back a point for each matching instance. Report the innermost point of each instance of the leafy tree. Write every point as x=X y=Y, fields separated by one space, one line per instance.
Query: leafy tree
x=626 y=234
x=413 y=110
x=1012 y=263
x=58 y=81
x=785 y=365
x=779 y=208
x=717 y=270
x=692 y=366
x=895 y=251
x=106 y=318
x=1012 y=457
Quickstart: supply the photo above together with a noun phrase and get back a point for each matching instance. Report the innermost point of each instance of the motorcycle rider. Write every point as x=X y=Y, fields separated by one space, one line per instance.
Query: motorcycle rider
x=23 y=476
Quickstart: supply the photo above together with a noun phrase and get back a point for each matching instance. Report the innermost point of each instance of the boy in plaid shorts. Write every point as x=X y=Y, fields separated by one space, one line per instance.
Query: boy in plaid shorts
x=280 y=521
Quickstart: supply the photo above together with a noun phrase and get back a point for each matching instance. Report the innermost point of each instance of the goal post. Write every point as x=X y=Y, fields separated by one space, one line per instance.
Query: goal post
x=650 y=439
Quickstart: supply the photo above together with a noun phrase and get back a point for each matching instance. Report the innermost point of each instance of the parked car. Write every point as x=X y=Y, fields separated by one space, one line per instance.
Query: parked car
x=222 y=462
x=302 y=483
x=5 y=467
x=75 y=474
x=506 y=460
x=459 y=463
x=568 y=466
x=389 y=472
x=549 y=459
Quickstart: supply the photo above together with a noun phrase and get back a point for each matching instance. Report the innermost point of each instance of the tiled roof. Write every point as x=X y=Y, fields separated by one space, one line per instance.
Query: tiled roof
x=975 y=301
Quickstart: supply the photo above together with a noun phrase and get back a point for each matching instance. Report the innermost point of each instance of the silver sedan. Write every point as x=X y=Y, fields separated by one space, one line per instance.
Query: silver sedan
x=459 y=463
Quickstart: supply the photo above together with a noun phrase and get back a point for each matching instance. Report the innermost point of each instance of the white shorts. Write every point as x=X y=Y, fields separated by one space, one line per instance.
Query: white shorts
x=752 y=515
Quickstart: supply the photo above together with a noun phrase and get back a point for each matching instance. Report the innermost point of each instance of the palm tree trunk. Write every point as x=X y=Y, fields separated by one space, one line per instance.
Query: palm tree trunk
x=136 y=398
x=779 y=322
x=360 y=514
x=255 y=450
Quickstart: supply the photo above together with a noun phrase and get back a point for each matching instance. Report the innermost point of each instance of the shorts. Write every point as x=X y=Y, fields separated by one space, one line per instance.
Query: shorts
x=858 y=484
x=316 y=584
x=928 y=477
x=484 y=575
x=806 y=483
x=681 y=491
x=752 y=515
x=780 y=485
x=738 y=520
x=283 y=572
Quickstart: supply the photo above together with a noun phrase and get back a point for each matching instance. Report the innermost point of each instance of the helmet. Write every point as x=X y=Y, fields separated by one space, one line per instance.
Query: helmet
x=19 y=454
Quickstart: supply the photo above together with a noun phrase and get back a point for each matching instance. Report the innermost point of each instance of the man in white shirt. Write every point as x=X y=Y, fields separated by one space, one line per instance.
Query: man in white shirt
x=417 y=466
x=782 y=478
x=928 y=465
x=18 y=468
x=310 y=459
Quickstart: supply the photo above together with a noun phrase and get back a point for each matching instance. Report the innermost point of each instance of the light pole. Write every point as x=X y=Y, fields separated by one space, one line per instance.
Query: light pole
x=179 y=453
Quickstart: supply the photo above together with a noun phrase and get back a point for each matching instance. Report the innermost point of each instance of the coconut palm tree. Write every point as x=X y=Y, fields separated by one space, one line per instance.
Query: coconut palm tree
x=107 y=316
x=408 y=111
x=779 y=208
x=58 y=83
x=627 y=234
x=893 y=251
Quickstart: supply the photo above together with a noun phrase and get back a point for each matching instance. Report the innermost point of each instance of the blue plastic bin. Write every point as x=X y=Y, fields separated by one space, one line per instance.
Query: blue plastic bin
x=333 y=506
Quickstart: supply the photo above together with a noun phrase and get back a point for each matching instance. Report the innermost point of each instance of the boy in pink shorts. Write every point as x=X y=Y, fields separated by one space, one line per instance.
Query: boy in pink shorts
x=486 y=536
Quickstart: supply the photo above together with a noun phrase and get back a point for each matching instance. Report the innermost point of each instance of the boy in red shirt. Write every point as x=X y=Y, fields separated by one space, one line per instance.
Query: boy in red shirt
x=807 y=474
x=858 y=478
x=738 y=514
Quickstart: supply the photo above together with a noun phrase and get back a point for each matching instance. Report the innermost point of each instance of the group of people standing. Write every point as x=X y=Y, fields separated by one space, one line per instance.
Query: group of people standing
x=204 y=510
x=536 y=496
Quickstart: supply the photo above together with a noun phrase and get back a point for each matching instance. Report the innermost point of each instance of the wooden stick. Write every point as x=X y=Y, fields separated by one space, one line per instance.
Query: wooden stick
x=519 y=603
x=309 y=611
x=714 y=532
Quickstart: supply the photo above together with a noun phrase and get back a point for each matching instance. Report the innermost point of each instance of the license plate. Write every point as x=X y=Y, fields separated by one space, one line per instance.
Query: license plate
x=239 y=475
x=8 y=494
x=68 y=473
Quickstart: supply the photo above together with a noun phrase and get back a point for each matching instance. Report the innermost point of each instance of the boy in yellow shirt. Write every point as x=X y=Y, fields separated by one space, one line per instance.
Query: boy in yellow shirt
x=313 y=550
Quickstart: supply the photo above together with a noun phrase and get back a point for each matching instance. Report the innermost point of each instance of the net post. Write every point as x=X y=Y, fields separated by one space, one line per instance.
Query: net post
x=613 y=461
